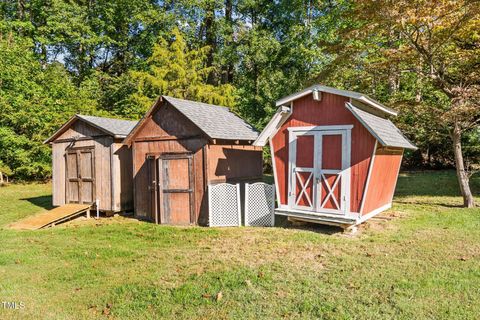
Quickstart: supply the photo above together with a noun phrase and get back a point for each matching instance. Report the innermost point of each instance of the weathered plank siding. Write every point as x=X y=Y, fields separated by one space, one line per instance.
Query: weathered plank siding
x=167 y=131
x=79 y=135
x=122 y=177
x=142 y=179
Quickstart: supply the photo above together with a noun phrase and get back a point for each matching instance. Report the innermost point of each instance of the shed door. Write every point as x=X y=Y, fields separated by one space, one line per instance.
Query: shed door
x=80 y=175
x=319 y=171
x=176 y=189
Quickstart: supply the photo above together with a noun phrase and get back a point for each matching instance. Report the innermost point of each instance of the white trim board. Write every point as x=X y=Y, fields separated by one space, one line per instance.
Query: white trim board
x=374 y=213
x=321 y=128
x=325 y=213
x=325 y=217
x=367 y=183
x=274 y=169
x=307 y=214
x=278 y=119
x=345 y=93
x=317 y=173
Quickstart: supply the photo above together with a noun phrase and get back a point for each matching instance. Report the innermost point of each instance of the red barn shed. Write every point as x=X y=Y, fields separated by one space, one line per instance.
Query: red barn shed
x=335 y=156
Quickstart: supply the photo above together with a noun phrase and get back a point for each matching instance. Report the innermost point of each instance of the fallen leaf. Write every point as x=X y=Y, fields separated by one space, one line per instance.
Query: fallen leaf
x=219 y=296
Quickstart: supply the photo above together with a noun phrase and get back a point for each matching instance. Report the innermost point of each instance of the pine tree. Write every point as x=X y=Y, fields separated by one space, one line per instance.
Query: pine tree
x=176 y=70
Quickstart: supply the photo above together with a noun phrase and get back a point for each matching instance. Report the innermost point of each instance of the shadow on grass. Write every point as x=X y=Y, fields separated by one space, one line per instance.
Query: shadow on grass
x=315 y=227
x=429 y=203
x=283 y=222
x=44 y=202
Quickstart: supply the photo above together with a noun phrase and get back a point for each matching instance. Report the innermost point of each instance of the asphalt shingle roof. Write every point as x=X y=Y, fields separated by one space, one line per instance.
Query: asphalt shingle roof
x=382 y=129
x=216 y=121
x=115 y=127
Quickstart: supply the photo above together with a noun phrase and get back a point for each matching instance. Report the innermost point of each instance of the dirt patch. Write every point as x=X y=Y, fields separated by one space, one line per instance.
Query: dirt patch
x=83 y=221
x=382 y=222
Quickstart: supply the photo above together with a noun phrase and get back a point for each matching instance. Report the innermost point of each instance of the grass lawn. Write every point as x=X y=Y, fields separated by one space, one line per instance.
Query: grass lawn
x=424 y=262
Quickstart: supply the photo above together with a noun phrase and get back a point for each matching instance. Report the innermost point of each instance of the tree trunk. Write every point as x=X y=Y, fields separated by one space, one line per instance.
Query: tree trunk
x=227 y=75
x=462 y=176
x=210 y=38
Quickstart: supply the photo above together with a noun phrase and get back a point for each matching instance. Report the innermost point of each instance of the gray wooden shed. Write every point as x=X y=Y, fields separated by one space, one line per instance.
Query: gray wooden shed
x=90 y=163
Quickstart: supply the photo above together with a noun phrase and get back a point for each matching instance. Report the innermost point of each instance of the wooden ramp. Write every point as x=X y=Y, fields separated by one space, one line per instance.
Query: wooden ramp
x=52 y=217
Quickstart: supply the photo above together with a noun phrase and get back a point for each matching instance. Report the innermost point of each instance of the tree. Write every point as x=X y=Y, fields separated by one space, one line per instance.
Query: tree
x=5 y=172
x=35 y=100
x=179 y=71
x=439 y=42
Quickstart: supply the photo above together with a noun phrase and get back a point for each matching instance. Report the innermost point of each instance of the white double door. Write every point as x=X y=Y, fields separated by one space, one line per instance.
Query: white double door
x=319 y=174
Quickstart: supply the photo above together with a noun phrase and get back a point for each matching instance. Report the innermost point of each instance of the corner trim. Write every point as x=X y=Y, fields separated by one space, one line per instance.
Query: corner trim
x=374 y=213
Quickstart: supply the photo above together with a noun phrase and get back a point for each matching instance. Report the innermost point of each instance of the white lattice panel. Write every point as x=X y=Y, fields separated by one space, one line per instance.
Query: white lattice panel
x=224 y=205
x=259 y=204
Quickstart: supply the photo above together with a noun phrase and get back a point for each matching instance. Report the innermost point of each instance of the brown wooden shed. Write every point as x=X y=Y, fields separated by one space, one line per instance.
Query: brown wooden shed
x=181 y=146
x=89 y=163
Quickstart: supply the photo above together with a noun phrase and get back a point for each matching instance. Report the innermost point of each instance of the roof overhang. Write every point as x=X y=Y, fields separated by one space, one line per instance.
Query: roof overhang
x=283 y=113
x=71 y=121
x=128 y=139
x=350 y=94
x=404 y=145
x=278 y=119
x=62 y=129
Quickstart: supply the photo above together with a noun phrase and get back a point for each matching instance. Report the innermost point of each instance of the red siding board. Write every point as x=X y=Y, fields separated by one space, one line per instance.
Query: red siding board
x=329 y=111
x=383 y=179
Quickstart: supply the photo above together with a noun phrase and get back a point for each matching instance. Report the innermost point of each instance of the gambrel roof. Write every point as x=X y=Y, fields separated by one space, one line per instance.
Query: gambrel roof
x=116 y=128
x=387 y=134
x=215 y=121
x=345 y=93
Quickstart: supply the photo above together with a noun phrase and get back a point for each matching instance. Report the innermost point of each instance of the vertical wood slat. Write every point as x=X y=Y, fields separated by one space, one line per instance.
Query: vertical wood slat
x=169 y=131
x=112 y=179
x=173 y=184
x=80 y=180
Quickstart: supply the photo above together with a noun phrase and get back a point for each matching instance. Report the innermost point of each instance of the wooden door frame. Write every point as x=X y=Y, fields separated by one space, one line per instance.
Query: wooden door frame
x=162 y=219
x=77 y=151
x=345 y=132
x=153 y=185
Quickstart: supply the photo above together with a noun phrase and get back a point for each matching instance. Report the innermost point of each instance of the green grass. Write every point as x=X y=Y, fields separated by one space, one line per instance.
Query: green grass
x=422 y=263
